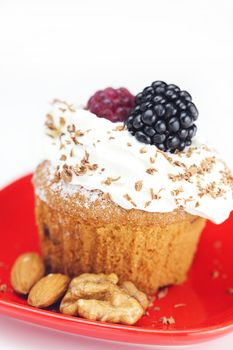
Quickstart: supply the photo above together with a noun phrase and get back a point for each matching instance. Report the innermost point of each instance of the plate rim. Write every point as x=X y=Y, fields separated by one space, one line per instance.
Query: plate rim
x=25 y=313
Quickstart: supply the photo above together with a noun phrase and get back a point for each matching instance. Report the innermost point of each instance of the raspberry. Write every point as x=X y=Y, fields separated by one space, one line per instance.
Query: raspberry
x=163 y=116
x=112 y=104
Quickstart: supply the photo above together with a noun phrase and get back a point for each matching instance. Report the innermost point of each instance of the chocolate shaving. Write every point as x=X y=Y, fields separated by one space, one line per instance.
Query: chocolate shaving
x=189 y=199
x=85 y=158
x=63 y=157
x=167 y=320
x=66 y=173
x=156 y=308
x=211 y=190
x=189 y=152
x=49 y=135
x=75 y=140
x=69 y=107
x=74 y=134
x=49 y=123
x=143 y=150
x=109 y=180
x=79 y=133
x=80 y=170
x=92 y=167
x=152 y=160
x=71 y=128
x=175 y=178
x=138 y=185
x=147 y=204
x=179 y=164
x=179 y=305
x=155 y=195
x=207 y=165
x=119 y=128
x=107 y=196
x=85 y=166
x=177 y=191
x=165 y=156
x=177 y=201
x=62 y=121
x=151 y=299
x=3 y=287
x=129 y=199
x=151 y=171
x=162 y=293
x=53 y=131
x=227 y=178
x=57 y=176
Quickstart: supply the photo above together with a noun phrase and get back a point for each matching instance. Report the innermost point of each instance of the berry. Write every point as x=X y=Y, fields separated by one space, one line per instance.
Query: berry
x=163 y=115
x=140 y=136
x=112 y=104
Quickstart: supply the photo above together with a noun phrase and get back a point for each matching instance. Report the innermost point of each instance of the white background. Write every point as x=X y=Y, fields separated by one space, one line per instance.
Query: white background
x=68 y=49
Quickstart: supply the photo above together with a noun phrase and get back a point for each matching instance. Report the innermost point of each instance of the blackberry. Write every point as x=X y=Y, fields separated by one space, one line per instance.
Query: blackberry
x=164 y=116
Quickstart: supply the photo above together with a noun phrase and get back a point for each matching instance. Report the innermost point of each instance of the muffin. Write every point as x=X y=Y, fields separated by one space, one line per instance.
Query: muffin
x=107 y=200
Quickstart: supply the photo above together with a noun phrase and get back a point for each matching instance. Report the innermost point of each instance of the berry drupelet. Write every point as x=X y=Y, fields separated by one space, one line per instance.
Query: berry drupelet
x=112 y=104
x=164 y=116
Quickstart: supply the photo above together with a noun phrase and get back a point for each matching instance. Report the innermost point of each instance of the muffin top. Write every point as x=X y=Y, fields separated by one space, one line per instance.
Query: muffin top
x=96 y=154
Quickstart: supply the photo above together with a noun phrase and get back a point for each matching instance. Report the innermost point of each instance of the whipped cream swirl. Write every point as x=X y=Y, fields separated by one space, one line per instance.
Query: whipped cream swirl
x=94 y=153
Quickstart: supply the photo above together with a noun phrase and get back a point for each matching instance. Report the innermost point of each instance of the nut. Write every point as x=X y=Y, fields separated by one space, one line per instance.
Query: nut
x=26 y=271
x=87 y=285
x=117 y=307
x=48 y=290
x=135 y=293
x=97 y=297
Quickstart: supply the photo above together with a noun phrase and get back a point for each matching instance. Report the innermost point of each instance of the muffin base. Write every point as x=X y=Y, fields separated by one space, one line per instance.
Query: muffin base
x=150 y=249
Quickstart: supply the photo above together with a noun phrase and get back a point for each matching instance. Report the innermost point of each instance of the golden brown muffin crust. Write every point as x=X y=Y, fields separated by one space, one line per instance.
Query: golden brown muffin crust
x=101 y=209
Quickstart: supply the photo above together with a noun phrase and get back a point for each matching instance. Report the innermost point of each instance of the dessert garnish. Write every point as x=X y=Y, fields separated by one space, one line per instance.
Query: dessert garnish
x=3 y=287
x=179 y=305
x=85 y=145
x=112 y=104
x=164 y=116
x=98 y=297
x=48 y=290
x=162 y=293
x=91 y=296
x=26 y=271
x=167 y=320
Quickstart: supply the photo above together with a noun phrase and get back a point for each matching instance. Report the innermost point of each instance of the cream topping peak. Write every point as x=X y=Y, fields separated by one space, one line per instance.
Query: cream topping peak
x=98 y=154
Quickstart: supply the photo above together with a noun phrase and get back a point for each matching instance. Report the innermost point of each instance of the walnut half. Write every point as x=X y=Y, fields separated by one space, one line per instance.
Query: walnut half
x=98 y=297
x=135 y=293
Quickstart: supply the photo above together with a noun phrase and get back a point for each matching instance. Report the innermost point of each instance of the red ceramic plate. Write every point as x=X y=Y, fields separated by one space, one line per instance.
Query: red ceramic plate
x=202 y=307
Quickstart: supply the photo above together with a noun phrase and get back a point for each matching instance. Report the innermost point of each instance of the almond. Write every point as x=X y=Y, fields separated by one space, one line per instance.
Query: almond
x=26 y=271
x=48 y=290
